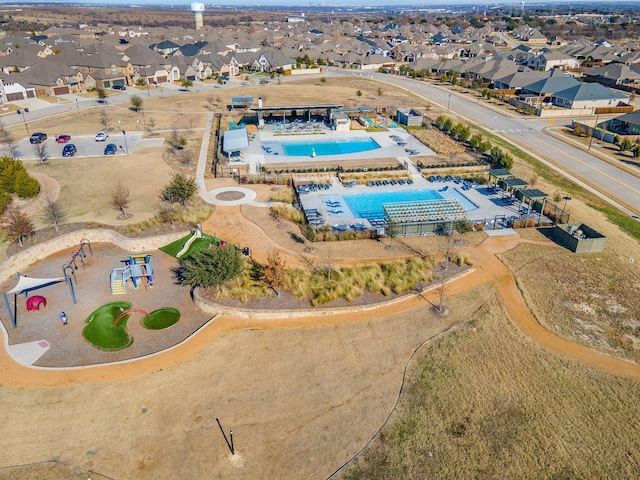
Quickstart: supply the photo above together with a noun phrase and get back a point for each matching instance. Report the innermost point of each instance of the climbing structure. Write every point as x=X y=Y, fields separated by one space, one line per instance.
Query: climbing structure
x=138 y=269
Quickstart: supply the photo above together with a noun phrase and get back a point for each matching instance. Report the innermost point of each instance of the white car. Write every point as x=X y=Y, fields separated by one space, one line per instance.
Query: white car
x=102 y=136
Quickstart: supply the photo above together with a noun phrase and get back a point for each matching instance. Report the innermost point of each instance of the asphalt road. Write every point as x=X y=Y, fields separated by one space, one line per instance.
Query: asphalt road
x=613 y=184
x=86 y=146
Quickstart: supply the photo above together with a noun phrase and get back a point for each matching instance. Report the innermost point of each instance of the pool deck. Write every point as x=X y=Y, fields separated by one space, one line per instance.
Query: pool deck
x=256 y=155
x=490 y=205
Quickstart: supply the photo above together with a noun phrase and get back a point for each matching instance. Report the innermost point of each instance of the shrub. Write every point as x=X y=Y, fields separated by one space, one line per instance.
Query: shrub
x=210 y=267
x=26 y=186
x=5 y=200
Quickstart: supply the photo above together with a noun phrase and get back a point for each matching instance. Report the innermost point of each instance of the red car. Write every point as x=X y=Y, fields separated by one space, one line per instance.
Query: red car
x=63 y=138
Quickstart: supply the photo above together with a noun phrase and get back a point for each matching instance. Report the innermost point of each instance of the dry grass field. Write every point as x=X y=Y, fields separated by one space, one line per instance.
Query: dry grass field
x=485 y=402
x=589 y=299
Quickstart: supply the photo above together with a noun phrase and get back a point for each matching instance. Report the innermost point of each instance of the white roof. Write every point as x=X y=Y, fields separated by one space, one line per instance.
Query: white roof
x=30 y=283
x=235 y=140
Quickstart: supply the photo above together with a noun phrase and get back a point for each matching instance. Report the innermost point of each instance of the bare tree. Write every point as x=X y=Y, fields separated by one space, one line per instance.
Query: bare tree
x=391 y=230
x=274 y=271
x=185 y=157
x=41 y=152
x=120 y=198
x=8 y=140
x=448 y=250
x=52 y=211
x=167 y=212
x=104 y=119
x=176 y=141
x=18 y=224
x=151 y=125
x=329 y=264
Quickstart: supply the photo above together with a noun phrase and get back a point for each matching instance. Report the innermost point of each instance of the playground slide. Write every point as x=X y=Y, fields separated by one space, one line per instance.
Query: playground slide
x=185 y=249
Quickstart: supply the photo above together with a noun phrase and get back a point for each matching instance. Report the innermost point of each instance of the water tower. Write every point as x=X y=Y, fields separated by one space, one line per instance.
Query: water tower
x=197 y=9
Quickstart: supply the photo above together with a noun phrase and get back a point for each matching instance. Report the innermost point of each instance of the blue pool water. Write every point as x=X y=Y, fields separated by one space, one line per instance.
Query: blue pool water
x=370 y=205
x=337 y=146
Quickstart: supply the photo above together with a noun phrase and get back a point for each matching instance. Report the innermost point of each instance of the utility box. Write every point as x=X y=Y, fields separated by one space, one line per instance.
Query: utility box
x=409 y=117
x=579 y=238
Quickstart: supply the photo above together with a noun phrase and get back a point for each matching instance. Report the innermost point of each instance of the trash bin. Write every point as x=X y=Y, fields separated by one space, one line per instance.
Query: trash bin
x=26 y=110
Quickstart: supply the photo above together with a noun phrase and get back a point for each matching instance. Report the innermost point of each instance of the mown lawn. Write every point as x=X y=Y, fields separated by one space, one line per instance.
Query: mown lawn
x=199 y=244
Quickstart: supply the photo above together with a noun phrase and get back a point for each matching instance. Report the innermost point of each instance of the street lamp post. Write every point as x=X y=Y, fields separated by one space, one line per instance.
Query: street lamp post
x=592 y=132
x=21 y=112
x=566 y=199
x=449 y=102
x=126 y=147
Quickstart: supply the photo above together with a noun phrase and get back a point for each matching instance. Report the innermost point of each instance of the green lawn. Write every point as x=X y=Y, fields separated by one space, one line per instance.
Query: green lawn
x=161 y=318
x=101 y=331
x=199 y=244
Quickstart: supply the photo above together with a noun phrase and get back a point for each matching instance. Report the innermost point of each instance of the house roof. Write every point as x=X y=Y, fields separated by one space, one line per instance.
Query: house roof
x=615 y=71
x=631 y=117
x=551 y=85
x=589 y=91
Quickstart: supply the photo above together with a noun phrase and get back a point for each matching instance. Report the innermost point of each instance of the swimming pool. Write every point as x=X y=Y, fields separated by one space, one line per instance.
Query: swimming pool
x=370 y=205
x=336 y=146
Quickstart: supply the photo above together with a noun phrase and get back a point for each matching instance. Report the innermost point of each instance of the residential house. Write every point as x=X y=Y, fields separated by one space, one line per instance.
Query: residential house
x=166 y=47
x=541 y=91
x=517 y=80
x=628 y=124
x=612 y=75
x=588 y=95
x=552 y=59
x=13 y=89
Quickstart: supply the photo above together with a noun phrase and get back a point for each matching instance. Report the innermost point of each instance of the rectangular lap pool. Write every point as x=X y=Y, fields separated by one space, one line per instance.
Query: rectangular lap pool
x=337 y=146
x=370 y=205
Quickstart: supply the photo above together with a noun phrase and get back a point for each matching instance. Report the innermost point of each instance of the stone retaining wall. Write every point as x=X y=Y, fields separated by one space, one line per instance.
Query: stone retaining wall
x=71 y=240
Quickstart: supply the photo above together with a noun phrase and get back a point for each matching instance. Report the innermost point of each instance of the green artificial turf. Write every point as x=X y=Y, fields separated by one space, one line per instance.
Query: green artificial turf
x=100 y=330
x=199 y=244
x=161 y=318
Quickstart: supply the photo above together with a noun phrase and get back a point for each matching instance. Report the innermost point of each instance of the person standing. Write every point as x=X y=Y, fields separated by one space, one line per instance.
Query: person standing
x=63 y=317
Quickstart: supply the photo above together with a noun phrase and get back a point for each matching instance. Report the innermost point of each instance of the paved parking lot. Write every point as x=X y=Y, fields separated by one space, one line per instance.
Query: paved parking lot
x=86 y=145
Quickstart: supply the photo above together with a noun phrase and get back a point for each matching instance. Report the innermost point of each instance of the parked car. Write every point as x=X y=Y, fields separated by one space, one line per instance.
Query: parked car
x=38 y=137
x=110 y=149
x=63 y=138
x=264 y=82
x=119 y=87
x=69 y=150
x=102 y=136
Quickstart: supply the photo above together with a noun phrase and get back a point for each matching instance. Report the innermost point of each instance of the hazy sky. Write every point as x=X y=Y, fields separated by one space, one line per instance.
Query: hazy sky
x=300 y=5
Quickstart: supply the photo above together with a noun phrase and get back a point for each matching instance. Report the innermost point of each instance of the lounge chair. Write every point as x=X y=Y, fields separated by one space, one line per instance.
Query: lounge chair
x=378 y=183
x=393 y=182
x=385 y=182
x=410 y=182
x=401 y=182
x=371 y=184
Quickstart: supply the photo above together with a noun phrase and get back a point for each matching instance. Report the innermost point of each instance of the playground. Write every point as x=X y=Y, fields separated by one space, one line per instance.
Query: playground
x=40 y=327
